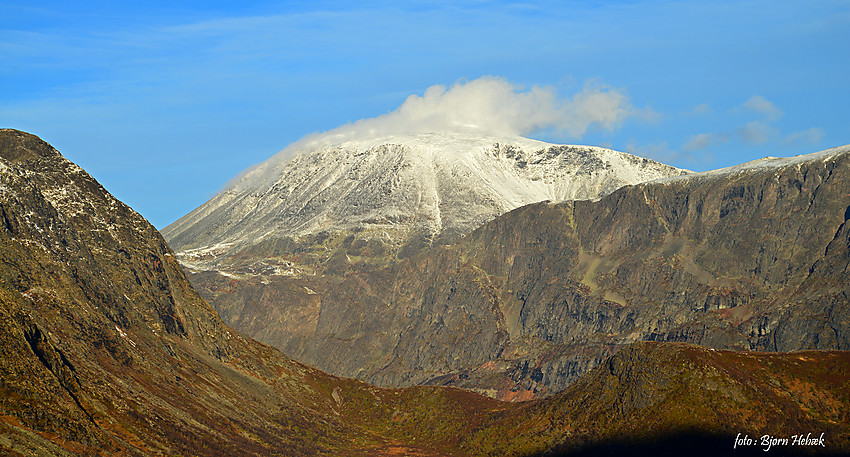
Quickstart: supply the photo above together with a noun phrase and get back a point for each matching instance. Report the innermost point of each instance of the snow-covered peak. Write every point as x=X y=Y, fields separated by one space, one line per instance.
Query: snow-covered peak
x=444 y=146
x=432 y=187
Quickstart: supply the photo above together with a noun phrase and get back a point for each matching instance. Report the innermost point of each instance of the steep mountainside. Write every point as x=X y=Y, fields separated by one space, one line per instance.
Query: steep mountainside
x=106 y=347
x=753 y=257
x=398 y=194
x=106 y=350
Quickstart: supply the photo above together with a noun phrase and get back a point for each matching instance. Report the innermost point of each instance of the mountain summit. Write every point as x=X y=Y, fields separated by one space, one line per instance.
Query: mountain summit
x=401 y=193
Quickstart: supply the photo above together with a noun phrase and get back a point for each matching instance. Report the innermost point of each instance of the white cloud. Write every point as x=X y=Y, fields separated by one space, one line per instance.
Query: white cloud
x=494 y=105
x=761 y=105
x=487 y=105
x=757 y=132
x=604 y=107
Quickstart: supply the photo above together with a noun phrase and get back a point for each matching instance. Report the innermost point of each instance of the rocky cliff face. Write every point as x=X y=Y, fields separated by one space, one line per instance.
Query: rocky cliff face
x=754 y=257
x=106 y=350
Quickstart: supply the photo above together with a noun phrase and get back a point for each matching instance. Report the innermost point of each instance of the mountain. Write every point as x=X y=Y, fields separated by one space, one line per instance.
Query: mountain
x=753 y=257
x=287 y=228
x=105 y=349
x=398 y=194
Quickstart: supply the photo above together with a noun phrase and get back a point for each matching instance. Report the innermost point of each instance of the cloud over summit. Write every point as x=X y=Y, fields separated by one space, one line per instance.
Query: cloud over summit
x=493 y=105
x=484 y=106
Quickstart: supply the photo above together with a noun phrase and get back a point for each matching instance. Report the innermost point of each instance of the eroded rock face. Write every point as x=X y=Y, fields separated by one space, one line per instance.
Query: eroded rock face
x=753 y=257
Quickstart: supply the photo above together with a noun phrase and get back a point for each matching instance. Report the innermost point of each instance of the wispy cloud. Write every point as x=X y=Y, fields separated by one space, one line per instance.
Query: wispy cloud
x=704 y=140
x=813 y=135
x=757 y=132
x=495 y=105
x=487 y=105
x=662 y=152
x=702 y=108
x=763 y=106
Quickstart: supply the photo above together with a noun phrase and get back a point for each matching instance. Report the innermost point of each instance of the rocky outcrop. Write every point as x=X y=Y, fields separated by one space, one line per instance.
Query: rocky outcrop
x=753 y=257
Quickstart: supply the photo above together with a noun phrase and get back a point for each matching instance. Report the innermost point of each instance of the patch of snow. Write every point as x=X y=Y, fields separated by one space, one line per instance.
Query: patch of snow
x=206 y=251
x=124 y=335
x=192 y=266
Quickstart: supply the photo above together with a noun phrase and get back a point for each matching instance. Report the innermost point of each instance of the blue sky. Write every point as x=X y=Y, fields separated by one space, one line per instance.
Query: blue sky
x=164 y=102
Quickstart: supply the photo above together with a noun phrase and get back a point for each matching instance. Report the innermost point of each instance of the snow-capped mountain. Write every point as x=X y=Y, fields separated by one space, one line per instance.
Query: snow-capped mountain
x=403 y=190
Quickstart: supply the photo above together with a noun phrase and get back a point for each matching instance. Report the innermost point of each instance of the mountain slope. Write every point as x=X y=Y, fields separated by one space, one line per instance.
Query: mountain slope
x=106 y=345
x=402 y=193
x=106 y=350
x=754 y=257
